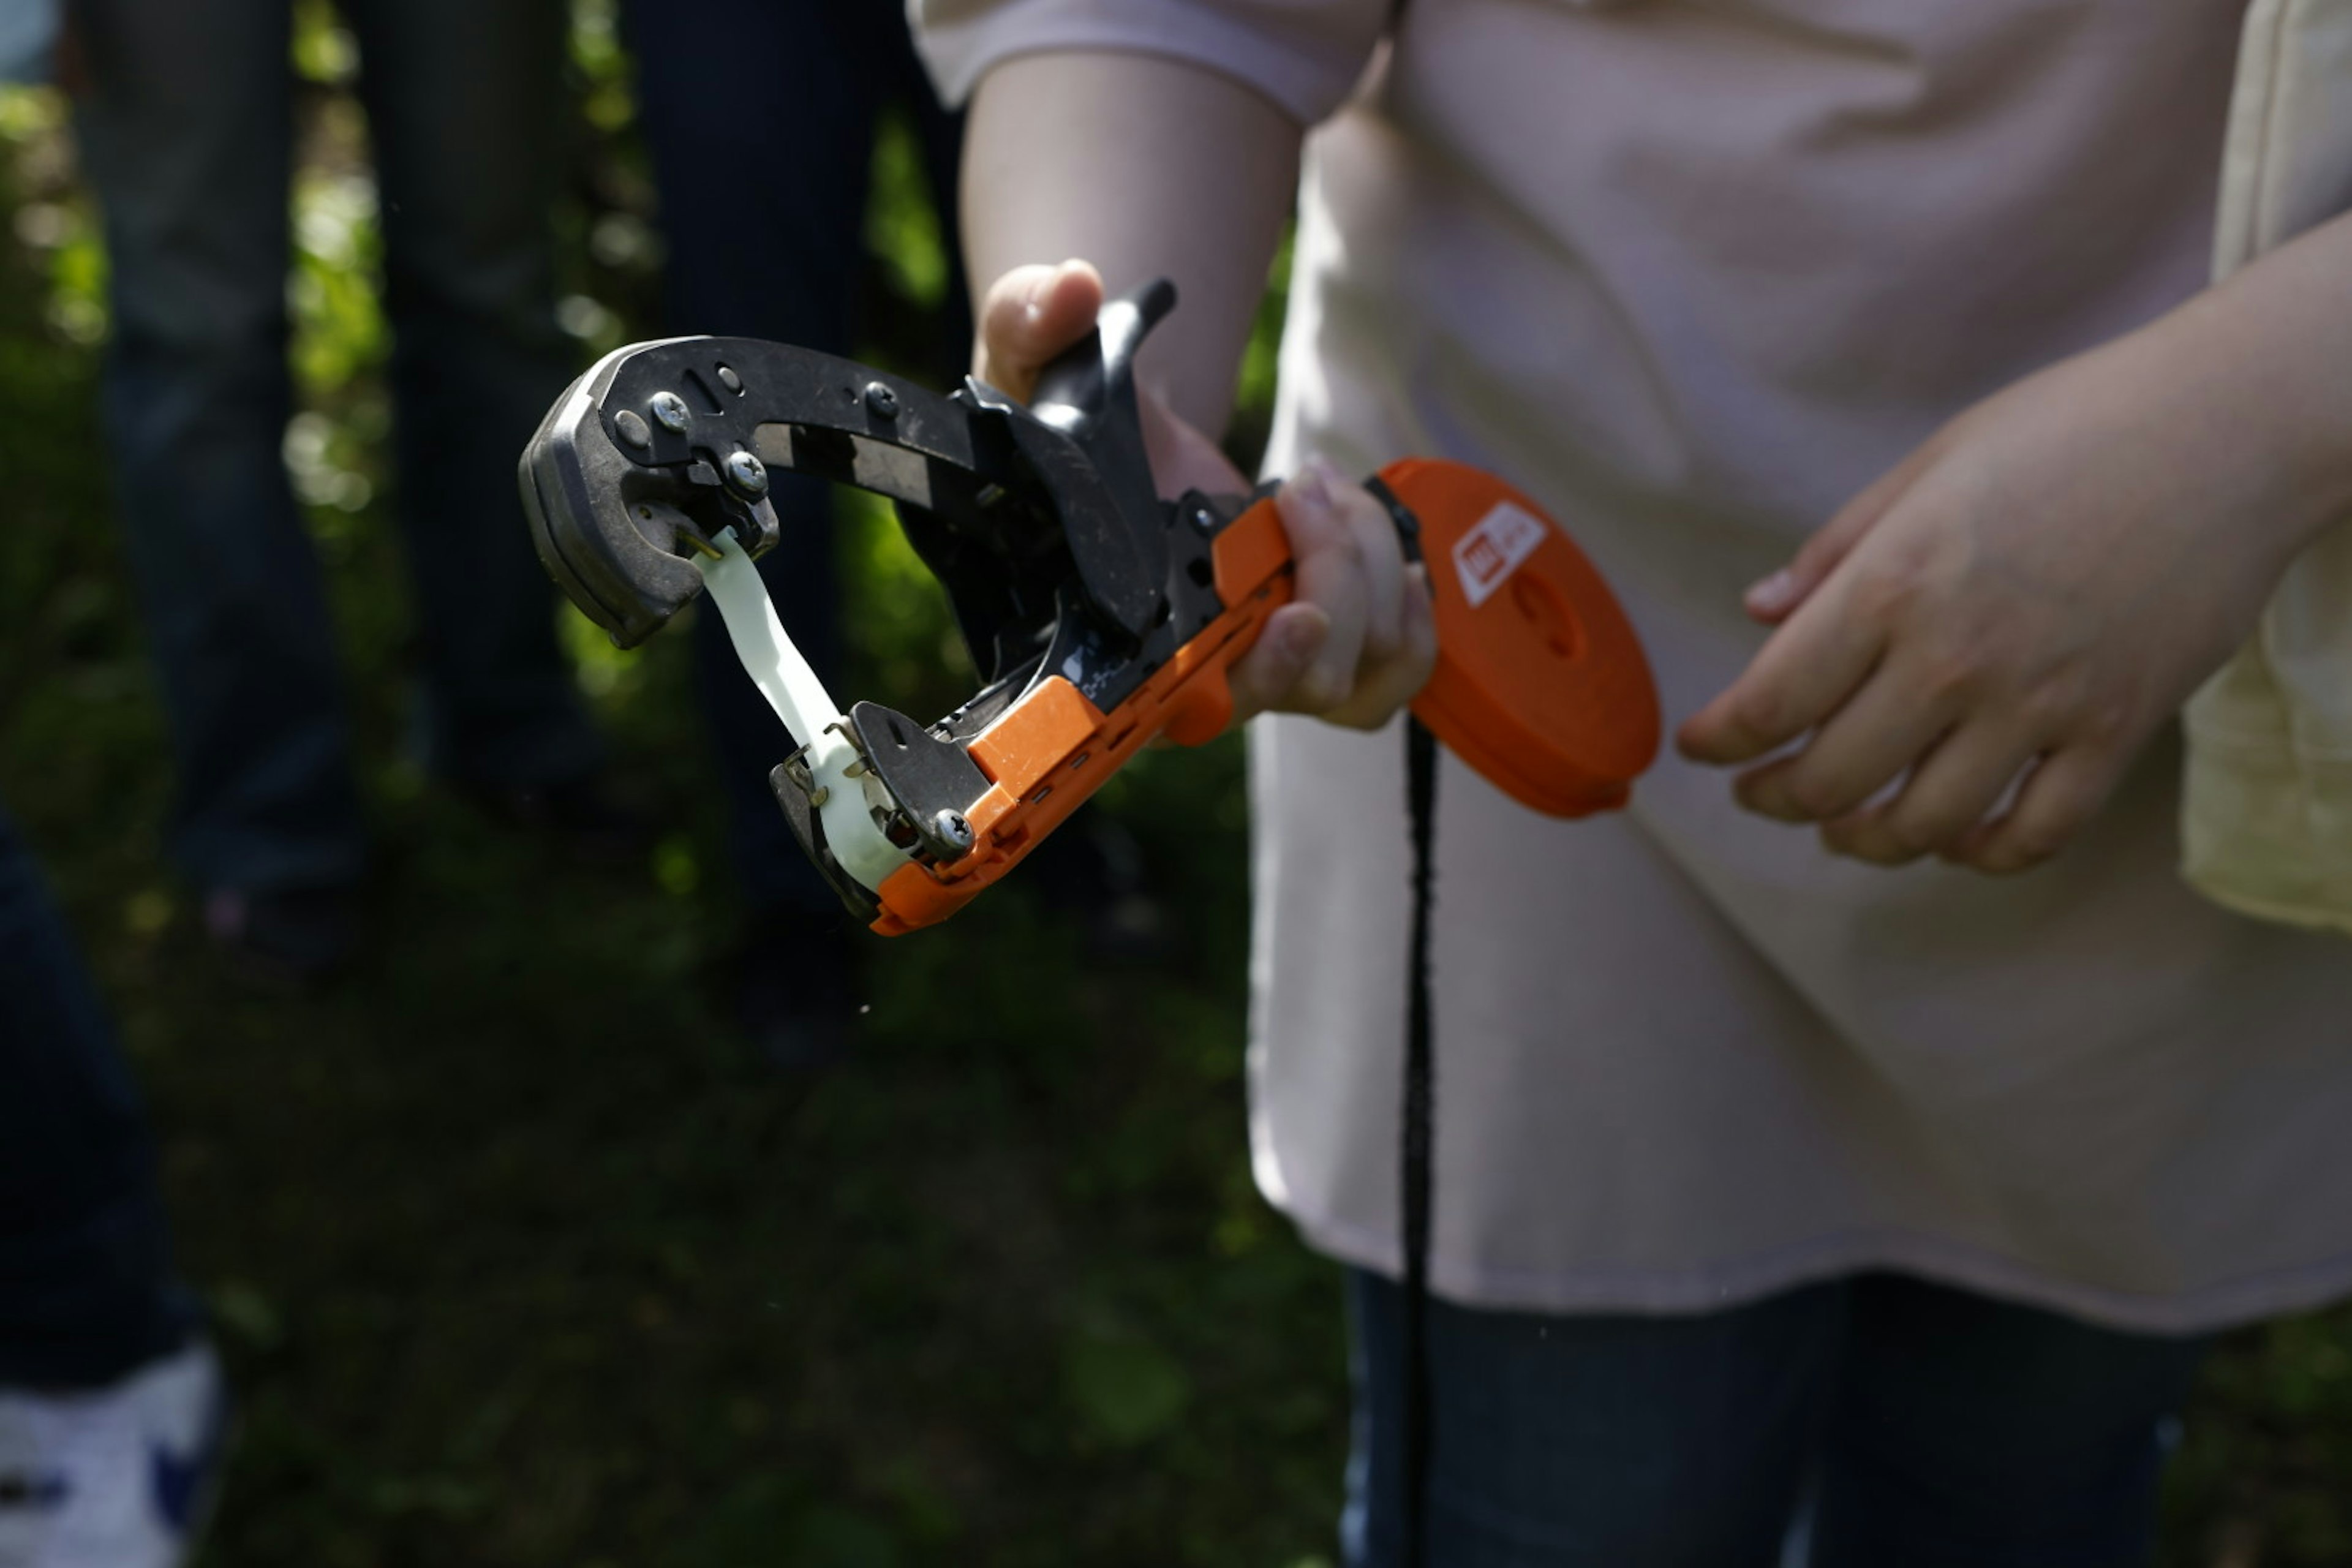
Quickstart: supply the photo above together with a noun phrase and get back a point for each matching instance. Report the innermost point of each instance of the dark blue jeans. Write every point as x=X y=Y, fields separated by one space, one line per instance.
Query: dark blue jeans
x=761 y=116
x=1926 y=1427
x=186 y=134
x=86 y=1291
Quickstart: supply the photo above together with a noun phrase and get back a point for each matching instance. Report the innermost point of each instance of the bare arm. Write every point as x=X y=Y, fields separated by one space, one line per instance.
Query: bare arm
x=1152 y=167
x=1147 y=167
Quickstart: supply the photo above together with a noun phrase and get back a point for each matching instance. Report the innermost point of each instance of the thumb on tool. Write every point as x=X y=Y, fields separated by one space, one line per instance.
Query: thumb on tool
x=1030 y=315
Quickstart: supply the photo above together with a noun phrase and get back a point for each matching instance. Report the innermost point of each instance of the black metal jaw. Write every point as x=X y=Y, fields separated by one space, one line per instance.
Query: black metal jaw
x=1041 y=521
x=794 y=795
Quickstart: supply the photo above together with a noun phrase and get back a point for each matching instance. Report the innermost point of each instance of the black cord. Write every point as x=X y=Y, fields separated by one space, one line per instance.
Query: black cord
x=1419 y=1141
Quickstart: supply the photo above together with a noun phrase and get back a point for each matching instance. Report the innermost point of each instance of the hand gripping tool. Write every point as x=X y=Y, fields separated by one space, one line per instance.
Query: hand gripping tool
x=1100 y=615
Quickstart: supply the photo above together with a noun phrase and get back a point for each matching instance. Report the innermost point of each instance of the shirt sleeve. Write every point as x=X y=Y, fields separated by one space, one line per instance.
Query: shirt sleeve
x=1305 y=55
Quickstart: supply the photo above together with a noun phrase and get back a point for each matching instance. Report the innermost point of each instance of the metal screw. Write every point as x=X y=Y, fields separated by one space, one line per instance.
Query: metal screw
x=669 y=412
x=728 y=379
x=746 y=474
x=1203 y=520
x=881 y=400
x=633 y=428
x=951 y=827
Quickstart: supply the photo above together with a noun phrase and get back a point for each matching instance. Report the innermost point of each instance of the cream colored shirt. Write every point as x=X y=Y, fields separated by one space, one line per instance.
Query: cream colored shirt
x=1692 y=274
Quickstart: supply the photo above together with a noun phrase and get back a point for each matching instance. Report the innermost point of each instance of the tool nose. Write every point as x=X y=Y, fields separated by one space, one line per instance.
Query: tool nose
x=620 y=501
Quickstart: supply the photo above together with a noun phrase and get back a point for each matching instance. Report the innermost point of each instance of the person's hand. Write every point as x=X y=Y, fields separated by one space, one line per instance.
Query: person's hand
x=1974 y=650
x=1359 y=638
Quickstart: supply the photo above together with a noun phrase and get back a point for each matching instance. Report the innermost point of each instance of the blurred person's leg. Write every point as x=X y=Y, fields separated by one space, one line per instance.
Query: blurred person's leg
x=761 y=116
x=1968 y=1433
x=184 y=136
x=109 y=1403
x=1602 y=1441
x=85 y=1291
x=468 y=118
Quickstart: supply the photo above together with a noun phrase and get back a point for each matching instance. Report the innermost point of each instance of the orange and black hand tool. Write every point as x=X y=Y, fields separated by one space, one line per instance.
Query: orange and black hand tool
x=1099 y=614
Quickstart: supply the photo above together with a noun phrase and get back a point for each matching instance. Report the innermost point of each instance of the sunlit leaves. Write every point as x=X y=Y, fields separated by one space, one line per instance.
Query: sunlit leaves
x=902 y=226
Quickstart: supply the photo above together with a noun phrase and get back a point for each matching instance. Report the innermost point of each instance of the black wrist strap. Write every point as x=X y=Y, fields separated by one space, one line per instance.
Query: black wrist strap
x=1416 y=1155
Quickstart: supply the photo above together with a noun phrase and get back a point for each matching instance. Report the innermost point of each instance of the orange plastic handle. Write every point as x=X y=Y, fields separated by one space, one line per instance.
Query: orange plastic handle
x=1540 y=681
x=1049 y=751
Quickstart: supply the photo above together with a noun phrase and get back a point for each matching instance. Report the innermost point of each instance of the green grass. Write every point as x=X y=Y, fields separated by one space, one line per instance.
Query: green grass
x=517 y=1255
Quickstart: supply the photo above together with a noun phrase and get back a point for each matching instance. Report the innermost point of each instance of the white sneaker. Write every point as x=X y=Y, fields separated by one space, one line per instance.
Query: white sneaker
x=115 y=1478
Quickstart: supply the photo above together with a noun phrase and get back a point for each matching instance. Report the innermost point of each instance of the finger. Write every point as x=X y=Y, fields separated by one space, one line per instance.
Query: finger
x=1267 y=674
x=2063 y=793
x=1808 y=669
x=1775 y=597
x=1973 y=837
x=1864 y=746
x=1956 y=788
x=1330 y=572
x=1030 y=315
x=1384 y=562
x=1384 y=687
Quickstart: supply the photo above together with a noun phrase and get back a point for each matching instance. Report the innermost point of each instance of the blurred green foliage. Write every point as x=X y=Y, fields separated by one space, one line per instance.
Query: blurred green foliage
x=517 y=1255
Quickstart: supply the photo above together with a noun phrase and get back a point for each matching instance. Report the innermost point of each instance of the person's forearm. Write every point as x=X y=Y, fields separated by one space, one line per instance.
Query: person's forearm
x=2269 y=353
x=1147 y=167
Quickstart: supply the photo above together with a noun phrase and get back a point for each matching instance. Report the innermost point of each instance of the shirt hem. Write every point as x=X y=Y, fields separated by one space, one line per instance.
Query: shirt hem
x=1739 y=1283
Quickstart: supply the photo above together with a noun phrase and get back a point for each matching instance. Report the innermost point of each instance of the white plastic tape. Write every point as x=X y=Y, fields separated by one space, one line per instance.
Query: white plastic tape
x=793 y=690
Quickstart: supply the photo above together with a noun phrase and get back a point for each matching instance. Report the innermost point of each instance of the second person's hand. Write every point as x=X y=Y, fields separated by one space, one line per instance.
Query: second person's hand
x=1359 y=639
x=1967 y=658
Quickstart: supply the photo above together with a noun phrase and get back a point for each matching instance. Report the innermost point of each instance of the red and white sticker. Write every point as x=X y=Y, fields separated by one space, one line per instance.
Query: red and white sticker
x=1485 y=557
